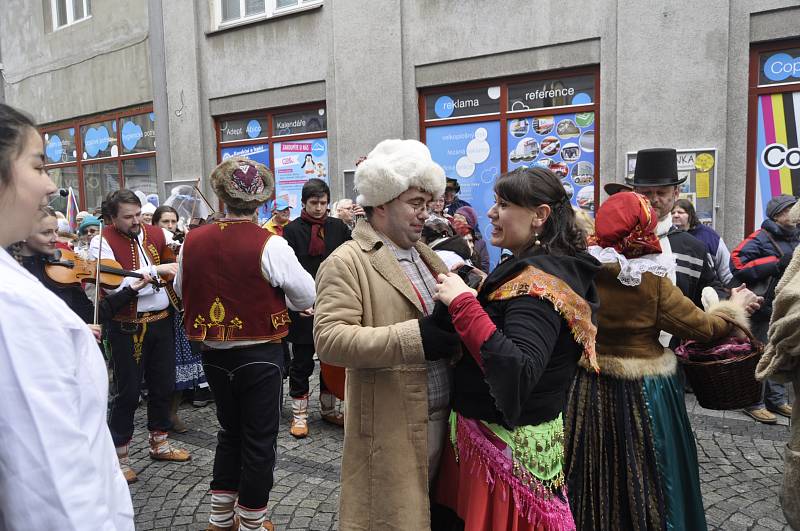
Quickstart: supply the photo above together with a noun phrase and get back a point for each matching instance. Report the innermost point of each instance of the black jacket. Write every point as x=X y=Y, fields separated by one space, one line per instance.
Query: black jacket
x=298 y=234
x=532 y=357
x=694 y=266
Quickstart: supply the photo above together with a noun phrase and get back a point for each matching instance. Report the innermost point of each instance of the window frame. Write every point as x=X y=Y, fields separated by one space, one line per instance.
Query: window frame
x=270 y=11
x=505 y=115
x=754 y=90
x=81 y=163
x=71 y=20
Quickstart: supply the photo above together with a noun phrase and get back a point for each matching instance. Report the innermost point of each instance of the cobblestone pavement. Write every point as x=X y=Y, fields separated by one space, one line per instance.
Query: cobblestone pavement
x=741 y=466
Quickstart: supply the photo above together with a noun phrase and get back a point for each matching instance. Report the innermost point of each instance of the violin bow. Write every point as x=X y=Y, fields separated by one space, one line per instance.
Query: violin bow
x=97 y=275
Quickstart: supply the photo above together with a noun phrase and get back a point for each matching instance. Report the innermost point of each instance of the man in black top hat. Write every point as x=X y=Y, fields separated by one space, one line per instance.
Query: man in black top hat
x=656 y=177
x=451 y=199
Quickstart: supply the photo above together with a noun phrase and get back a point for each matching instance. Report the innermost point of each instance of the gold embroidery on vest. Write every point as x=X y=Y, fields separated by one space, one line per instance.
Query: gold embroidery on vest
x=138 y=343
x=279 y=319
x=216 y=314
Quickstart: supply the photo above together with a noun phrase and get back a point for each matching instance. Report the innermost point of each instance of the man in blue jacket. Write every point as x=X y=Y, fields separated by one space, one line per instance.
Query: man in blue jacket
x=759 y=262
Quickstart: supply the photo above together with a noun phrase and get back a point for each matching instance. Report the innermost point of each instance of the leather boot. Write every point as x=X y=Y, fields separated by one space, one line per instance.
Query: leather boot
x=330 y=413
x=162 y=450
x=125 y=464
x=177 y=424
x=299 y=427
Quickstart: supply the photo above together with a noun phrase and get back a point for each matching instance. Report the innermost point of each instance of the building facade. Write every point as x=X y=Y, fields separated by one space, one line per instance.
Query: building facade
x=150 y=94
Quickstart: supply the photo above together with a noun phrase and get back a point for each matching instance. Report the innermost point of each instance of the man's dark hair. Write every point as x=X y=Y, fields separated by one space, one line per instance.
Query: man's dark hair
x=110 y=207
x=243 y=213
x=315 y=188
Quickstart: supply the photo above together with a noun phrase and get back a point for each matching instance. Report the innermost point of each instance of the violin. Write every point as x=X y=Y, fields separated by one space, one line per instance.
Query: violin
x=66 y=268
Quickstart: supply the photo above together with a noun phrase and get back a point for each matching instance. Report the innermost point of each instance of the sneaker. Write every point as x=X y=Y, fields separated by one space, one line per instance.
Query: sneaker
x=202 y=397
x=761 y=415
x=785 y=410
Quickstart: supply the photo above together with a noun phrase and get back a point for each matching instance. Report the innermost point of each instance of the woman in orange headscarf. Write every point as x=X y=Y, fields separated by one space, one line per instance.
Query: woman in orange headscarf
x=630 y=455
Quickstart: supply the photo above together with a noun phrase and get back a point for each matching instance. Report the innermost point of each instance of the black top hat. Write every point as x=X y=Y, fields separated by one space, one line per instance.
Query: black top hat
x=656 y=167
x=615 y=188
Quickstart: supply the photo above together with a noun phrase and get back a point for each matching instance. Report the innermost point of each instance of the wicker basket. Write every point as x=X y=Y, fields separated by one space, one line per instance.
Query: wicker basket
x=726 y=384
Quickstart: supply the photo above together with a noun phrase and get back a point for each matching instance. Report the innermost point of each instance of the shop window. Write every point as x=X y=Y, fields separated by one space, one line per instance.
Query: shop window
x=773 y=128
x=233 y=12
x=292 y=142
x=59 y=146
x=99 y=140
x=138 y=133
x=478 y=131
x=98 y=181
x=65 y=177
x=100 y=154
x=66 y=12
x=140 y=175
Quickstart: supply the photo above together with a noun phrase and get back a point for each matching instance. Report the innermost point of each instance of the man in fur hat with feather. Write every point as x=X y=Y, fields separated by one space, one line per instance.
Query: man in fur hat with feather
x=236 y=280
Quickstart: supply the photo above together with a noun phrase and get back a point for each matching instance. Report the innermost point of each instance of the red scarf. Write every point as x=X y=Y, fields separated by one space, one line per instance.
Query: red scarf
x=316 y=245
x=627 y=222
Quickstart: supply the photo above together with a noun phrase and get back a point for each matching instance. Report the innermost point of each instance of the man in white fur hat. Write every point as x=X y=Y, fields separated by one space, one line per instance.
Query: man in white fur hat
x=374 y=317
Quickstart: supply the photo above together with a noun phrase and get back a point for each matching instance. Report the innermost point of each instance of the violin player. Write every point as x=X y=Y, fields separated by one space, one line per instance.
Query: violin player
x=39 y=249
x=140 y=335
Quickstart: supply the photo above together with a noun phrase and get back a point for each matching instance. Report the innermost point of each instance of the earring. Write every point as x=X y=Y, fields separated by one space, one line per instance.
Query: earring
x=536 y=238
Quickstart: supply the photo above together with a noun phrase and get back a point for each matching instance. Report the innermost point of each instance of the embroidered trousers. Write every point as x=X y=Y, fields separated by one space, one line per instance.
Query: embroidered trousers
x=148 y=352
x=247 y=384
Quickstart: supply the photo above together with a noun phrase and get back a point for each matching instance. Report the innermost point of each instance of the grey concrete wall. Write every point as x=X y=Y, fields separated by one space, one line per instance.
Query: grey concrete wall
x=96 y=65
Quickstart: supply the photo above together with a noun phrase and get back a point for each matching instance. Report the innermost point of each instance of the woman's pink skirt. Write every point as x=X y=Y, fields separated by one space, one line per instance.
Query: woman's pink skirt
x=481 y=488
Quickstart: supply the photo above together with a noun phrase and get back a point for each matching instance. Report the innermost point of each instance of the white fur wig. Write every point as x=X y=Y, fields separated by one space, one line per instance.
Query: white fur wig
x=393 y=167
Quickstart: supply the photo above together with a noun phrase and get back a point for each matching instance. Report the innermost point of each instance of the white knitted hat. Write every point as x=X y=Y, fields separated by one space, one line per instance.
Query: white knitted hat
x=393 y=167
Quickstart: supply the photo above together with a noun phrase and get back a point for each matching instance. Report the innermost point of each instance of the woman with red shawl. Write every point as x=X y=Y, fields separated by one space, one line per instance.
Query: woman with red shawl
x=631 y=458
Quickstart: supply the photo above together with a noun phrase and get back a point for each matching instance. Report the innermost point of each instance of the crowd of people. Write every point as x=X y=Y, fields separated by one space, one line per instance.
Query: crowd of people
x=517 y=395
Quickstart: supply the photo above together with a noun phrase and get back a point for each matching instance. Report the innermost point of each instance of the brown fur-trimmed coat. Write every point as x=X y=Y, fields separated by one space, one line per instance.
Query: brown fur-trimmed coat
x=630 y=319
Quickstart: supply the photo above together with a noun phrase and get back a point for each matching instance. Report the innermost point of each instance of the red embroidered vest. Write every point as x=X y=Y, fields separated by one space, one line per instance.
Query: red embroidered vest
x=126 y=252
x=225 y=294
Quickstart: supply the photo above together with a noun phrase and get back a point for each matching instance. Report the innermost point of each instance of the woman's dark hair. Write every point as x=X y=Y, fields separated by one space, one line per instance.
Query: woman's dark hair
x=110 y=207
x=532 y=187
x=315 y=188
x=687 y=206
x=160 y=211
x=14 y=126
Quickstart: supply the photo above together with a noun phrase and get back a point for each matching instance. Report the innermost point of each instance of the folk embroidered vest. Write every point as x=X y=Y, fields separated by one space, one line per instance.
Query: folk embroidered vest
x=127 y=253
x=225 y=294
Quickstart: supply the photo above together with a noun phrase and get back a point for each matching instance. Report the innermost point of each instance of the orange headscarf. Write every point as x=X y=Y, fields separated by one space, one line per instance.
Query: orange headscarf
x=627 y=222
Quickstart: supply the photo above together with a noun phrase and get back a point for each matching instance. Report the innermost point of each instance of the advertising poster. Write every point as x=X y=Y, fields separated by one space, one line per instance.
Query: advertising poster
x=295 y=163
x=777 y=157
x=563 y=143
x=471 y=154
x=700 y=168
x=258 y=153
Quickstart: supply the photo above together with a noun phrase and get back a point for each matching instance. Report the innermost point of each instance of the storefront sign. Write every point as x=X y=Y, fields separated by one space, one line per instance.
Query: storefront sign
x=565 y=144
x=699 y=166
x=777 y=152
x=780 y=67
x=294 y=123
x=243 y=129
x=471 y=154
x=295 y=163
x=100 y=140
x=556 y=92
x=139 y=133
x=457 y=104
x=60 y=146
